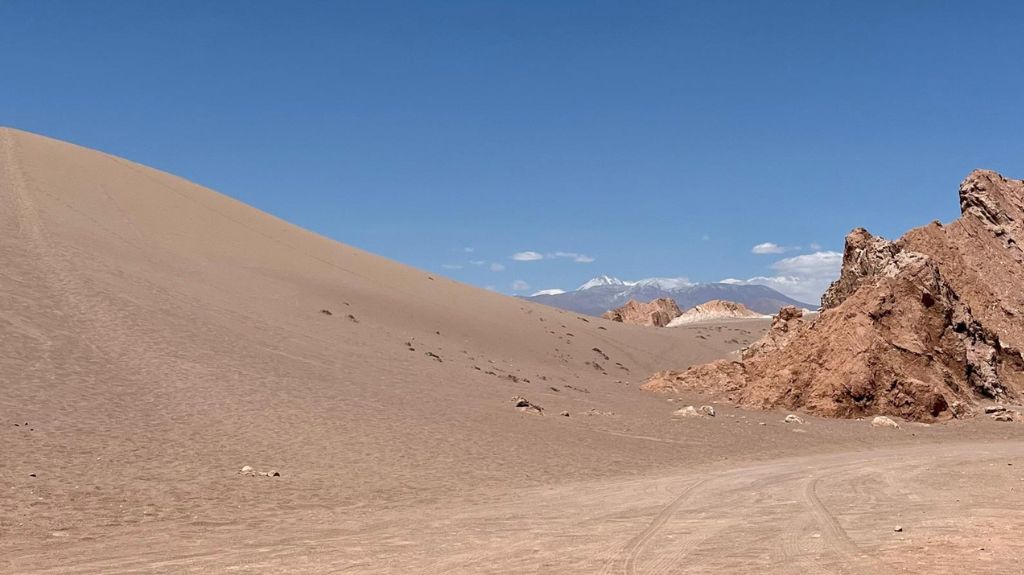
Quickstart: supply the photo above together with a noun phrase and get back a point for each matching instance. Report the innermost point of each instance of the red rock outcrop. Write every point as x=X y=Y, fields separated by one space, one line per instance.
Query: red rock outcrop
x=656 y=313
x=924 y=327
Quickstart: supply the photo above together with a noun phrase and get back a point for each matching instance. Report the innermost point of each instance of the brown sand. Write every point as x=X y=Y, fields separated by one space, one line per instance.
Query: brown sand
x=157 y=336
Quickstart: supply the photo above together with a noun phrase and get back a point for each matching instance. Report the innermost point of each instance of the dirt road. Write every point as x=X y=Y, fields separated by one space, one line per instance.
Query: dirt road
x=959 y=508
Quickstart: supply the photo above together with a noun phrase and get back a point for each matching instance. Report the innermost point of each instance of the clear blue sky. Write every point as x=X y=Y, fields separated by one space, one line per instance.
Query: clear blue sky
x=658 y=138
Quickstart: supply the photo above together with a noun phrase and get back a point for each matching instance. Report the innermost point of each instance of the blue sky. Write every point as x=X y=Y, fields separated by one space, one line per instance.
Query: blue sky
x=635 y=139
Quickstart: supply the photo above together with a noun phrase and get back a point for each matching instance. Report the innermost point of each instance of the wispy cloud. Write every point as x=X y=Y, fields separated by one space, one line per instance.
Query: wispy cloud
x=468 y=250
x=531 y=256
x=552 y=291
x=477 y=262
x=578 y=258
x=520 y=285
x=496 y=267
x=452 y=266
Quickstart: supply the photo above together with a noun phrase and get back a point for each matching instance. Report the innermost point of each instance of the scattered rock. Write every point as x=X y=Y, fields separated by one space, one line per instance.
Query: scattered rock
x=433 y=356
x=793 y=419
x=564 y=414
x=352 y=318
x=707 y=410
x=989 y=410
x=248 y=470
x=883 y=421
x=1008 y=415
x=326 y=312
x=524 y=405
x=688 y=411
x=898 y=529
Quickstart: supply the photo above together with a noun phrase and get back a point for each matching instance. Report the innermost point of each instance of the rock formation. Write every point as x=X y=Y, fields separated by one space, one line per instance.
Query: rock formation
x=922 y=328
x=715 y=309
x=657 y=313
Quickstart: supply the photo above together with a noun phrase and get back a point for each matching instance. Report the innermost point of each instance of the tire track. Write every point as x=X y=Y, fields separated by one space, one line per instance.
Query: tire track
x=636 y=545
x=835 y=535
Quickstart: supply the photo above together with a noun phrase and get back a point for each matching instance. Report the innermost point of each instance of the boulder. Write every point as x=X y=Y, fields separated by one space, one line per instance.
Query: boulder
x=688 y=411
x=883 y=421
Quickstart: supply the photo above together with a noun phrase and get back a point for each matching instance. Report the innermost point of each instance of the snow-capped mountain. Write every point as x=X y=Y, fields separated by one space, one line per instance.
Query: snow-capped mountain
x=606 y=292
x=601 y=281
x=663 y=283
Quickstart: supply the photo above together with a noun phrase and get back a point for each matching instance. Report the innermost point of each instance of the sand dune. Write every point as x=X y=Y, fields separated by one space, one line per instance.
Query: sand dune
x=158 y=336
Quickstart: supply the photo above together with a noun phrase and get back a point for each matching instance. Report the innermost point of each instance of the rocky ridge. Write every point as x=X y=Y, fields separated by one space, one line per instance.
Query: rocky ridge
x=715 y=309
x=655 y=313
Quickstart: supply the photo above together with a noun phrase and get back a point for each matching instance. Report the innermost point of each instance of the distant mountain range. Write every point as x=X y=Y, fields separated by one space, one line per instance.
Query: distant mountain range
x=604 y=293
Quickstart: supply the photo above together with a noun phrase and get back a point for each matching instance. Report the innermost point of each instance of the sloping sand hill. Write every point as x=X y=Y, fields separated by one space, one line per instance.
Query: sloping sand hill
x=157 y=337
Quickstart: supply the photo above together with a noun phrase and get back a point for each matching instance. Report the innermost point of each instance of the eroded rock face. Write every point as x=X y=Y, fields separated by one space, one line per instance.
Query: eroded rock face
x=656 y=313
x=921 y=328
x=865 y=258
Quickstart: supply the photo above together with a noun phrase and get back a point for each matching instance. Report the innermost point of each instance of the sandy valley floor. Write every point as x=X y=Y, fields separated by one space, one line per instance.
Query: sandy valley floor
x=157 y=337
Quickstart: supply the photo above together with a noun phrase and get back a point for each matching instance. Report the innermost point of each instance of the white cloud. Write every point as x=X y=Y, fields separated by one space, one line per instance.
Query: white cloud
x=468 y=250
x=553 y=291
x=705 y=238
x=527 y=256
x=815 y=247
x=804 y=277
x=818 y=264
x=477 y=262
x=495 y=267
x=767 y=248
x=451 y=266
x=520 y=285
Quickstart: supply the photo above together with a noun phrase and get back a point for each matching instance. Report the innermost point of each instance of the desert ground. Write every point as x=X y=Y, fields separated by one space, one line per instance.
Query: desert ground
x=157 y=337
